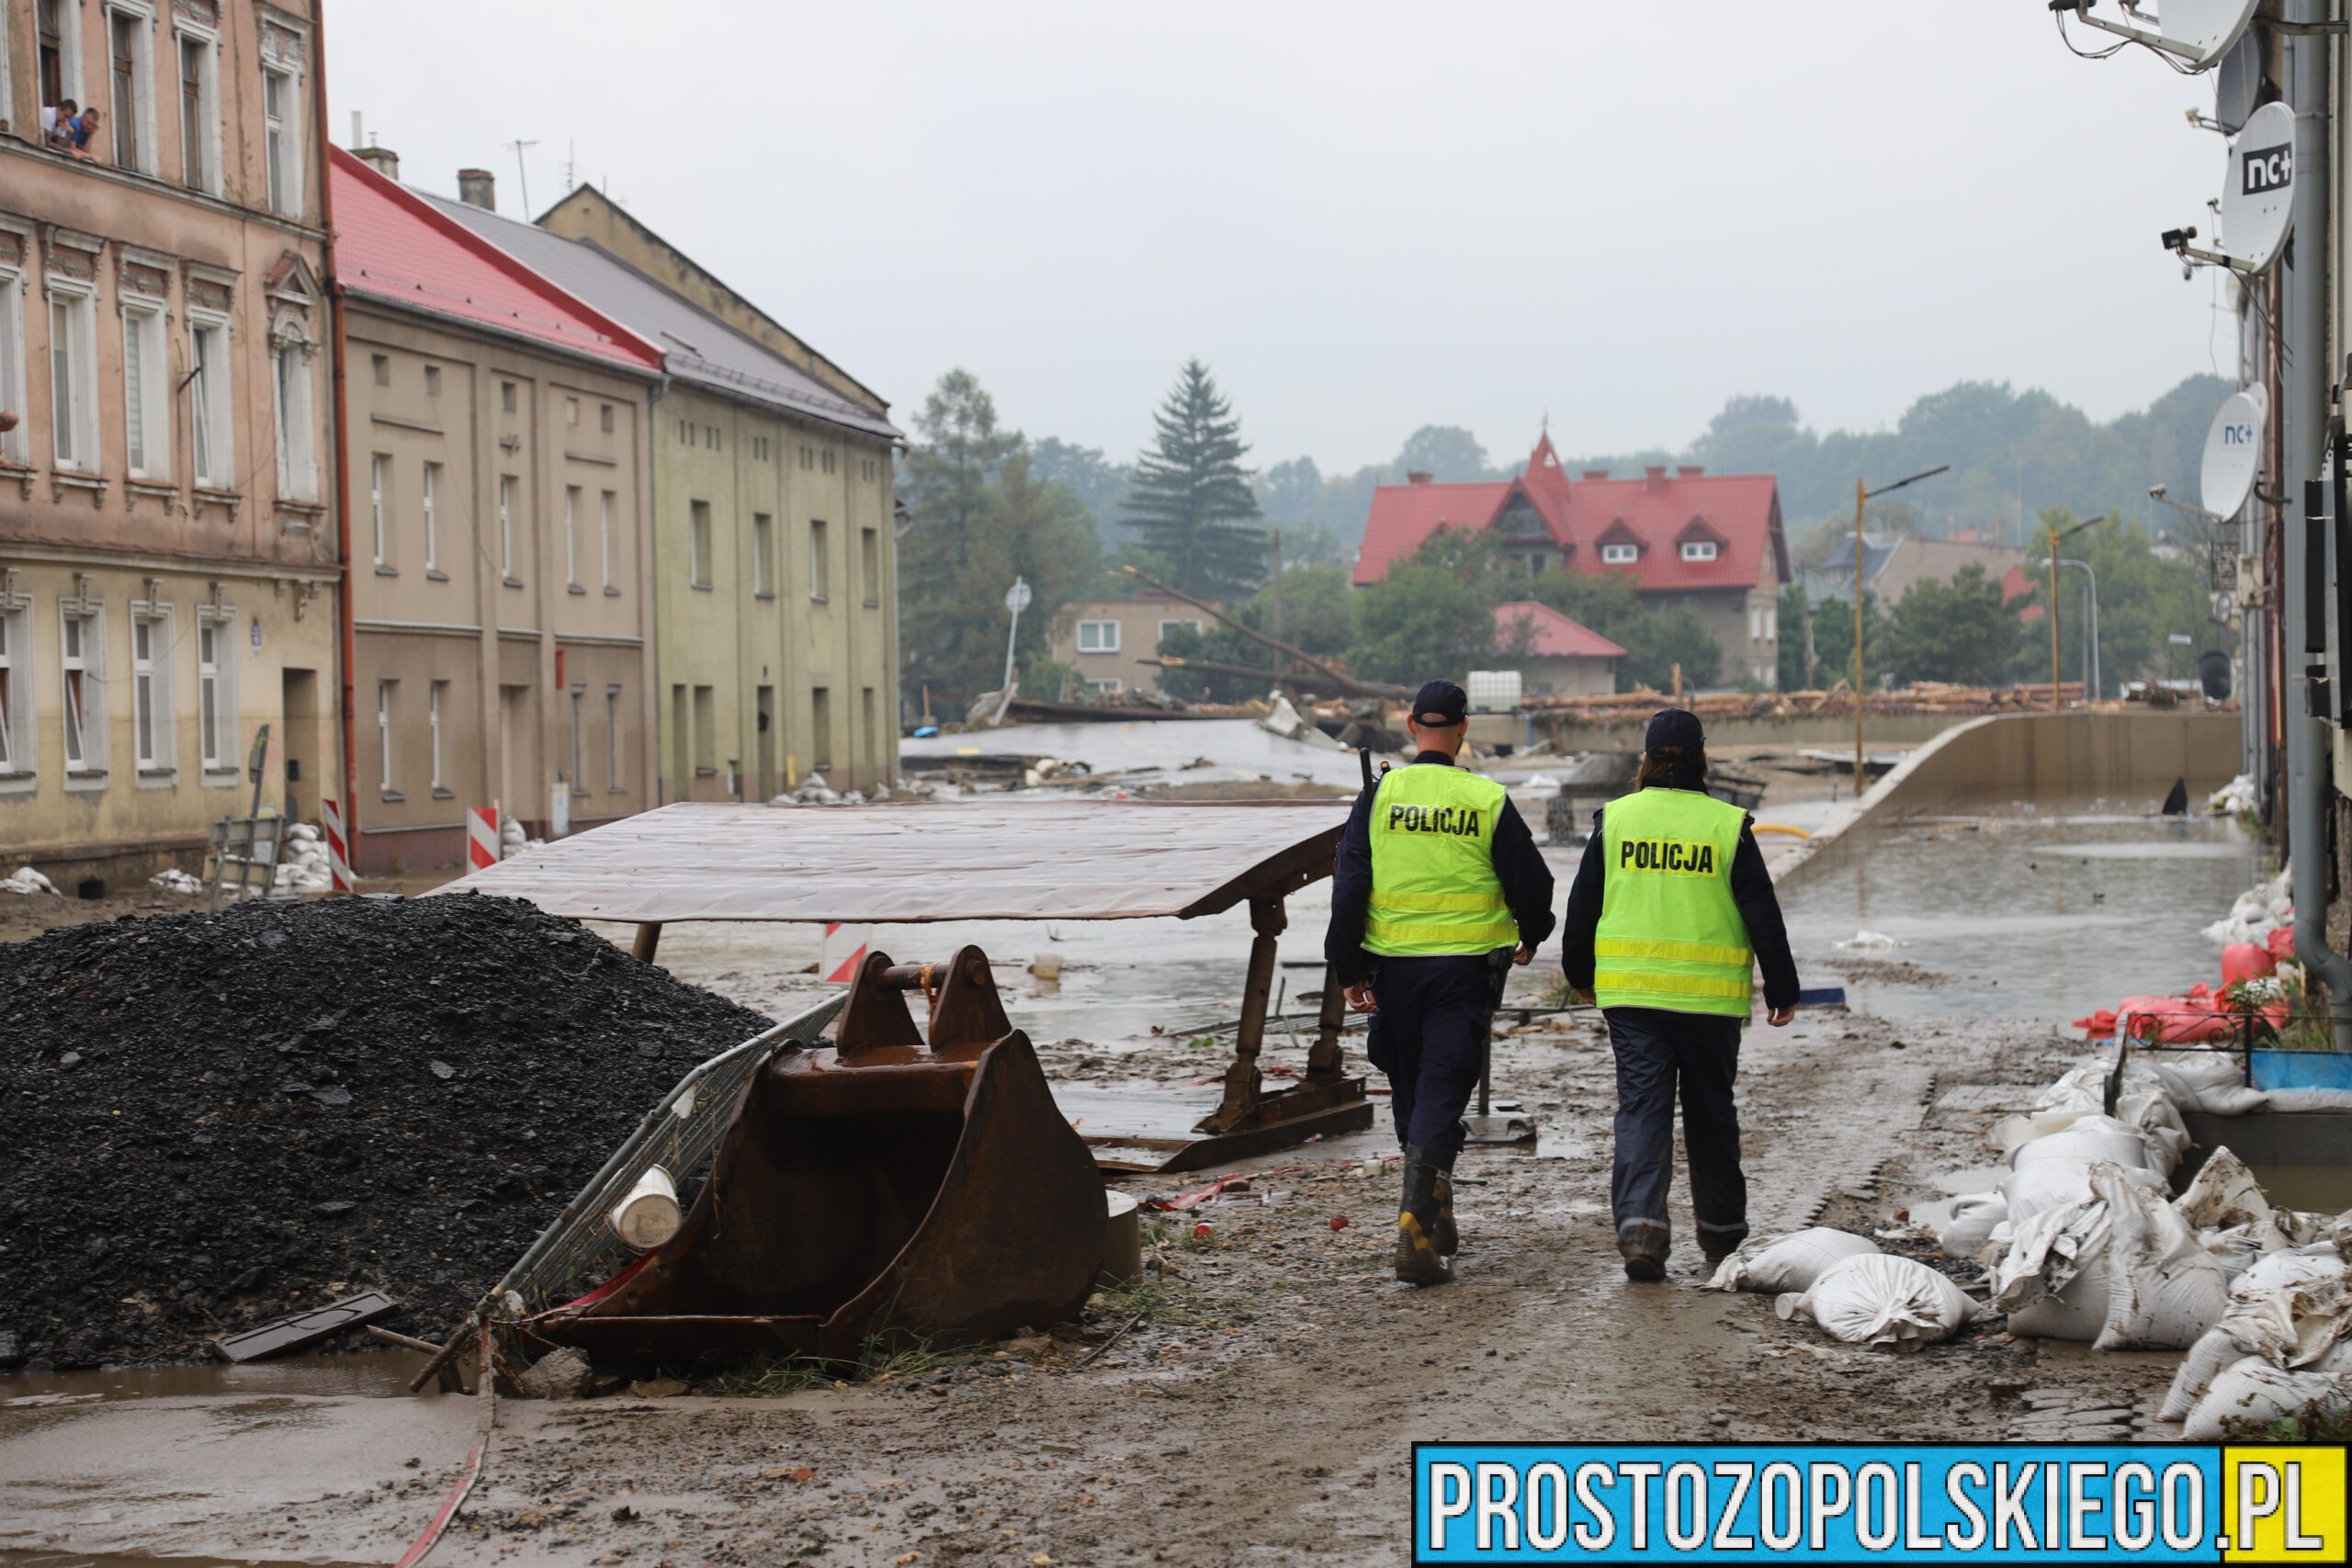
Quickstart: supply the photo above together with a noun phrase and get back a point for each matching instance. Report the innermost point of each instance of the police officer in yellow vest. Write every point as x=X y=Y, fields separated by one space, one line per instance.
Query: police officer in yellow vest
x=1435 y=875
x=1670 y=915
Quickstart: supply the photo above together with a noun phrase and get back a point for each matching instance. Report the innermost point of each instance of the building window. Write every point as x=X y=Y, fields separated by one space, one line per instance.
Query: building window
x=16 y=673
x=571 y=411
x=72 y=364
x=808 y=457
x=13 y=442
x=820 y=729
x=1102 y=683
x=199 y=145
x=698 y=543
x=59 y=41
x=1619 y=555
x=820 y=576
x=132 y=105
x=604 y=418
x=429 y=493
x=759 y=449
x=435 y=695
x=1098 y=637
x=151 y=689
x=84 y=693
x=433 y=380
x=579 y=700
x=1772 y=622
x=612 y=739
x=380 y=366
x=706 y=731
x=298 y=467
x=281 y=109
x=216 y=644
x=1698 y=549
x=378 y=467
x=1167 y=628
x=211 y=419
x=506 y=396
x=827 y=455
x=147 y=423
x=384 y=735
x=571 y=536
x=1755 y=623
x=869 y=566
x=605 y=537
x=762 y=552
x=506 y=528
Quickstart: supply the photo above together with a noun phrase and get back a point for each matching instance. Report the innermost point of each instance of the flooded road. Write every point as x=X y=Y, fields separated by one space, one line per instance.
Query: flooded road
x=2024 y=913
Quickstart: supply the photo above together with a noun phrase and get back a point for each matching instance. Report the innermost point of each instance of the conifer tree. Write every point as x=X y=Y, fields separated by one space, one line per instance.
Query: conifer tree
x=1190 y=503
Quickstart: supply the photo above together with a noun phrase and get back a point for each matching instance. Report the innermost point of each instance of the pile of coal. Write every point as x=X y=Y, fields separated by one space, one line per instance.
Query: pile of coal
x=211 y=1119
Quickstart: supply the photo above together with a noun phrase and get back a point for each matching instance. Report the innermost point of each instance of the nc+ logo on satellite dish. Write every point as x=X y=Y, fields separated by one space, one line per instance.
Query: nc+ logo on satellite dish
x=2265 y=169
x=2237 y=435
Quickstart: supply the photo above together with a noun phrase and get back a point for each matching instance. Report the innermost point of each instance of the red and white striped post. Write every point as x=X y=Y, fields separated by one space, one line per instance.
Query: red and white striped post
x=837 y=937
x=338 y=858
x=481 y=838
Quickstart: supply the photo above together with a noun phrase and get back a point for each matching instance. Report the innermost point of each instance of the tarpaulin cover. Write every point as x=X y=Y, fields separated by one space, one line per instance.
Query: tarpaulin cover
x=885 y=864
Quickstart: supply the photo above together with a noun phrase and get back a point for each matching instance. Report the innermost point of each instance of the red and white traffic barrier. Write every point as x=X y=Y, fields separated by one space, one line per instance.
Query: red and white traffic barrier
x=338 y=858
x=481 y=838
x=839 y=939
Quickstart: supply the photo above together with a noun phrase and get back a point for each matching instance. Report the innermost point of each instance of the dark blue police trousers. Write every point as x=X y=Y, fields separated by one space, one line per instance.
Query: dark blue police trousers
x=1657 y=1050
x=1429 y=1037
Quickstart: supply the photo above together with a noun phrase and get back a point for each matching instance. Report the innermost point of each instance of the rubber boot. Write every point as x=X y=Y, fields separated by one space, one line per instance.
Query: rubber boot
x=1449 y=1241
x=1644 y=1259
x=1419 y=1262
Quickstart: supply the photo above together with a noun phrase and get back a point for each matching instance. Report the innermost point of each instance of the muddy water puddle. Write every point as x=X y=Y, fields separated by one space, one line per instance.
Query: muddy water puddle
x=369 y=1374
x=15 y=1559
x=2048 y=912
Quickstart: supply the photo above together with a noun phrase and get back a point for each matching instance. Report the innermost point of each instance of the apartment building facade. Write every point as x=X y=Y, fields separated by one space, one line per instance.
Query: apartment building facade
x=774 y=560
x=502 y=617
x=168 y=560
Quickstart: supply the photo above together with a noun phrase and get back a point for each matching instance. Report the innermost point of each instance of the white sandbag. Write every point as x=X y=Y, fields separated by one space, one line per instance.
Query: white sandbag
x=2255 y=1392
x=1788 y=1263
x=2164 y=1288
x=2050 y=1186
x=1961 y=1225
x=2215 y=1085
x=2053 y=1278
x=2288 y=1267
x=1879 y=1298
x=2089 y=1138
x=2216 y=1349
x=2222 y=1193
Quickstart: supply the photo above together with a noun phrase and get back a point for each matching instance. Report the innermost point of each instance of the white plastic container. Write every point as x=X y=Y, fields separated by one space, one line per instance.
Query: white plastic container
x=650 y=1215
x=1493 y=691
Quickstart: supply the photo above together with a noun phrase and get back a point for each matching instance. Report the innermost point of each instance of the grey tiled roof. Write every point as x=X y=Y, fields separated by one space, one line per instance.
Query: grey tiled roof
x=697 y=346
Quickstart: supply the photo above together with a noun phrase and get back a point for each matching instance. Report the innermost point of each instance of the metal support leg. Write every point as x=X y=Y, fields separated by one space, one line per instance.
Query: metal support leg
x=1242 y=1079
x=648 y=938
x=1323 y=1060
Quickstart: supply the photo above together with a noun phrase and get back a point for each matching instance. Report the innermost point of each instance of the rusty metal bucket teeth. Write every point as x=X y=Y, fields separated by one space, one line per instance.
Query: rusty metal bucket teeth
x=890 y=1189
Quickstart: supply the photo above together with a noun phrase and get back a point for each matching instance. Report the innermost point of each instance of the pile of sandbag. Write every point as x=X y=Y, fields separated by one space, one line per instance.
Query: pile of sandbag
x=2259 y=910
x=302 y=865
x=2278 y=1346
x=172 y=879
x=24 y=879
x=513 y=840
x=2235 y=799
x=1845 y=1284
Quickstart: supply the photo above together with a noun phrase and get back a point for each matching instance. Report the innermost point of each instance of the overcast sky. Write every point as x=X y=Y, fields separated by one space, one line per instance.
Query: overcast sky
x=1366 y=217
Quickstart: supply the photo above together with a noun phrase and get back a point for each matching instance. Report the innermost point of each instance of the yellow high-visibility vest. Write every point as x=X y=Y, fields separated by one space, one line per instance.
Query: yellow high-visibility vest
x=1670 y=935
x=1433 y=884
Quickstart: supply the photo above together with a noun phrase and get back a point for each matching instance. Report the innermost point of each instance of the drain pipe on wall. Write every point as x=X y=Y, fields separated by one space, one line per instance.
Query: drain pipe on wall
x=2310 y=763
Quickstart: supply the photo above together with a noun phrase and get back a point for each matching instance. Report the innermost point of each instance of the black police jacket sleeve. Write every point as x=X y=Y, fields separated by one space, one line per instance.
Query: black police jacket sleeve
x=1751 y=889
x=1519 y=866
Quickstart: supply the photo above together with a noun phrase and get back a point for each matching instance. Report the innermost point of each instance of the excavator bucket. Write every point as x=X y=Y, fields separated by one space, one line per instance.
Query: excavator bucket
x=902 y=1186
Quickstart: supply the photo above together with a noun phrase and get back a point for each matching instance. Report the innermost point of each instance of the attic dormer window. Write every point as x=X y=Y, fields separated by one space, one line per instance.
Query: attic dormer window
x=1626 y=555
x=1698 y=549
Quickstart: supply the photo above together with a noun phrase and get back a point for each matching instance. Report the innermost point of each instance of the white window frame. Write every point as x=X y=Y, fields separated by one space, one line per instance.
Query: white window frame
x=434 y=695
x=429 y=504
x=155 y=735
x=1619 y=554
x=298 y=461
x=75 y=420
x=207 y=102
x=82 y=720
x=820 y=579
x=18 y=731
x=384 y=771
x=216 y=683
x=69 y=52
x=1771 y=623
x=612 y=785
x=14 y=445
x=379 y=466
x=1164 y=627
x=571 y=531
x=1756 y=622
x=1104 y=684
x=579 y=702
x=142 y=82
x=506 y=528
x=212 y=415
x=282 y=179
x=605 y=502
x=699 y=543
x=146 y=389
x=1699 y=550
x=762 y=549
x=1098 y=637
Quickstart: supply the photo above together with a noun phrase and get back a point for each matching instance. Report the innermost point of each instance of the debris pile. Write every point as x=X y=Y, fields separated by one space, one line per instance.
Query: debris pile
x=24 y=879
x=172 y=879
x=303 y=866
x=215 y=1119
x=2235 y=799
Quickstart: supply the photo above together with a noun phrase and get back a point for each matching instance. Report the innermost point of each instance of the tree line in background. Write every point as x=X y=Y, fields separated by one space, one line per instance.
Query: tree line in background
x=985 y=503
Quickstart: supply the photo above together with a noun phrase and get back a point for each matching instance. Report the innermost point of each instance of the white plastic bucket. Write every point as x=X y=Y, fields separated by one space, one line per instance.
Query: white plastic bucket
x=650 y=1215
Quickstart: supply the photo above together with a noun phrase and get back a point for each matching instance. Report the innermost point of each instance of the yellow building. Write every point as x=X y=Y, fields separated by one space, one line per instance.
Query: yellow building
x=168 y=560
x=774 y=566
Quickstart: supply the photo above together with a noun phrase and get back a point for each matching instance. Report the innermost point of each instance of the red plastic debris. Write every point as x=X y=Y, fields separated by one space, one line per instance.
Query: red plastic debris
x=1201 y=1230
x=1339 y=1222
x=2281 y=942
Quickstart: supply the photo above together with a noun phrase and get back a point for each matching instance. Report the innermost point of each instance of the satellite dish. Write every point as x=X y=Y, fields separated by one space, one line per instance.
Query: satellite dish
x=2202 y=30
x=2233 y=452
x=2259 y=187
x=2236 y=82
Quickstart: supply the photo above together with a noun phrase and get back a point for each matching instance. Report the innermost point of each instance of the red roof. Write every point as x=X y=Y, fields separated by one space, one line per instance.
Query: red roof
x=1656 y=512
x=1556 y=635
x=393 y=245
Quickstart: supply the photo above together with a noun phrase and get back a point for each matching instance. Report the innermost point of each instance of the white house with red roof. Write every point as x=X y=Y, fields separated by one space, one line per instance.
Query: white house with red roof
x=1711 y=541
x=1555 y=655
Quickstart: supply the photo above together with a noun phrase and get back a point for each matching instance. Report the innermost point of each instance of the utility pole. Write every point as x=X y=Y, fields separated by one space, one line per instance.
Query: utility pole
x=1861 y=774
x=2054 y=620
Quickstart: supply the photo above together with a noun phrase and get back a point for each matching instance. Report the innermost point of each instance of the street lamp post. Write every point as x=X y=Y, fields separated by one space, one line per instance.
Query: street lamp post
x=1861 y=775
x=2094 y=672
x=2055 y=536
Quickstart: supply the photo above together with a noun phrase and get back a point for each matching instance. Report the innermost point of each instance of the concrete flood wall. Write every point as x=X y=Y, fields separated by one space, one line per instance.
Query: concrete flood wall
x=2028 y=756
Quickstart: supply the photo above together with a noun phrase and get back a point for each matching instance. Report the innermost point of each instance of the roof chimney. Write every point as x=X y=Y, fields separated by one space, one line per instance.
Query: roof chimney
x=1595 y=473
x=478 y=187
x=383 y=160
x=1417 y=477
x=1654 y=474
x=1688 y=470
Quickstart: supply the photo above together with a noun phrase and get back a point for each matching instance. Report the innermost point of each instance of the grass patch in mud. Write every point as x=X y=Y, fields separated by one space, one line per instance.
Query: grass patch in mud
x=772 y=1377
x=1154 y=1302
x=2321 y=1421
